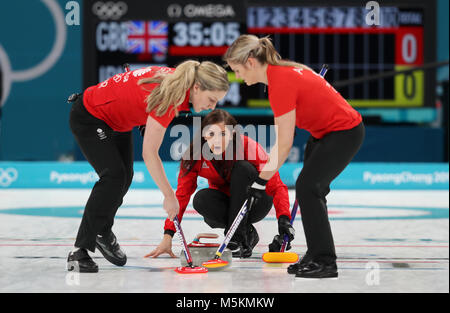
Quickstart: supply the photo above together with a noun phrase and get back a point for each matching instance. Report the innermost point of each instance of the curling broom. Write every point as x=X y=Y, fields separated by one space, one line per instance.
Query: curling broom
x=190 y=269
x=282 y=256
x=217 y=261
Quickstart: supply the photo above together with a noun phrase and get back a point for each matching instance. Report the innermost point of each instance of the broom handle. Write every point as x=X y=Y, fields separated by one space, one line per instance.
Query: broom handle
x=324 y=70
x=187 y=254
x=232 y=229
x=286 y=238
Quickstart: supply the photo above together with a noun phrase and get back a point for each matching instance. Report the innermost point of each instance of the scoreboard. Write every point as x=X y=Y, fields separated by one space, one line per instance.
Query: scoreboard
x=337 y=33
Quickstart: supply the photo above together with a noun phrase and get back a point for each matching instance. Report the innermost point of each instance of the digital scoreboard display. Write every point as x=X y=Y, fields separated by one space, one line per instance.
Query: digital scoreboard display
x=336 y=33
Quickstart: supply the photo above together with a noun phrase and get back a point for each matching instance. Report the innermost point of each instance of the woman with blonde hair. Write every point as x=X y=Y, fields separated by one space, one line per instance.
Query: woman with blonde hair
x=300 y=97
x=102 y=120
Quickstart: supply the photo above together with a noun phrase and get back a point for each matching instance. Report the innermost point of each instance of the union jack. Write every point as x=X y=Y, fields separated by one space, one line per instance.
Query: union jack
x=147 y=37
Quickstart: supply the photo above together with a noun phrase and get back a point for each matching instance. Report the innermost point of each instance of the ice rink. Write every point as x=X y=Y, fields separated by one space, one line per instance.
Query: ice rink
x=386 y=241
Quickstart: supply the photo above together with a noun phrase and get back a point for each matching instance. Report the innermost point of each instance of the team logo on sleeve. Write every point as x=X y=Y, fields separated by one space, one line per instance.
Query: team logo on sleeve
x=298 y=70
x=101 y=134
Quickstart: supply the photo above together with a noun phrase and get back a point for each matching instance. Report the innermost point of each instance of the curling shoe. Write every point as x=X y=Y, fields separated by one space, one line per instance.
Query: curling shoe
x=110 y=249
x=80 y=261
x=233 y=245
x=244 y=251
x=294 y=268
x=317 y=270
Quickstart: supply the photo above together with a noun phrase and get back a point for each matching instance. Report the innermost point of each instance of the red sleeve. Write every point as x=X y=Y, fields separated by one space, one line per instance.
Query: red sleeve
x=282 y=95
x=164 y=119
x=256 y=155
x=187 y=184
x=279 y=191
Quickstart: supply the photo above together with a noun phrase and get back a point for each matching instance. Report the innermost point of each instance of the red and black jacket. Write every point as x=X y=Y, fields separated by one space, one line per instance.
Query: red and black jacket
x=253 y=153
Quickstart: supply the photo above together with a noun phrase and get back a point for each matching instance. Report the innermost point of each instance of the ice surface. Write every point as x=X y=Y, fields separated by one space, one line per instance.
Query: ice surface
x=386 y=241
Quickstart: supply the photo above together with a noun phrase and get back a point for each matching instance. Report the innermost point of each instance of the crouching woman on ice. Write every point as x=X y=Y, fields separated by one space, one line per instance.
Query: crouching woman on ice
x=231 y=162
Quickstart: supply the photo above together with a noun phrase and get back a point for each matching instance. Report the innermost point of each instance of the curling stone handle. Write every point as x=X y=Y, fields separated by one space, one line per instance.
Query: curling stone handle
x=204 y=235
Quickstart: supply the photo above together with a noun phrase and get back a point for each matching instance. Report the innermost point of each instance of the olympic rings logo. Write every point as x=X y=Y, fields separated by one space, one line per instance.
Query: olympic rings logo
x=109 y=10
x=8 y=176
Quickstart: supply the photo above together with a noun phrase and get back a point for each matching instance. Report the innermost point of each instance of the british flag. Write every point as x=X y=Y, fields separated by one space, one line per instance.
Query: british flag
x=147 y=37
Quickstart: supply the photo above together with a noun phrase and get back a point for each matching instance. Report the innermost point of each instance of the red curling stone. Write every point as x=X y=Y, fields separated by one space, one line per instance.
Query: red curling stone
x=191 y=270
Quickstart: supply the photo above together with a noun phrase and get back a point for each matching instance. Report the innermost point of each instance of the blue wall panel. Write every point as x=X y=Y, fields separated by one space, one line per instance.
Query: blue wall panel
x=356 y=176
x=34 y=124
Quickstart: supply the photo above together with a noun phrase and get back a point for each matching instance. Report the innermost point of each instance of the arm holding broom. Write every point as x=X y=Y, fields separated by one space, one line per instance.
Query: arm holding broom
x=187 y=184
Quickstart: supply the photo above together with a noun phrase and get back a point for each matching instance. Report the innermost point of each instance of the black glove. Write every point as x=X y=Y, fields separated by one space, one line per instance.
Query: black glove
x=285 y=227
x=255 y=192
x=276 y=244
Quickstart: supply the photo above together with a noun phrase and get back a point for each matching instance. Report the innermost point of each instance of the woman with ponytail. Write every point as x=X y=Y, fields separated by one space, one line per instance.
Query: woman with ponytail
x=231 y=162
x=102 y=120
x=301 y=98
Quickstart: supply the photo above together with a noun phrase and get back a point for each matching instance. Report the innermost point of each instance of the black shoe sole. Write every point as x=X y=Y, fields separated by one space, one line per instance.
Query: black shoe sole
x=115 y=261
x=316 y=276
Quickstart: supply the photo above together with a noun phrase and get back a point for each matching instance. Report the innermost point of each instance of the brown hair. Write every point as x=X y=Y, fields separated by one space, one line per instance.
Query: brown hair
x=194 y=154
x=262 y=49
x=172 y=87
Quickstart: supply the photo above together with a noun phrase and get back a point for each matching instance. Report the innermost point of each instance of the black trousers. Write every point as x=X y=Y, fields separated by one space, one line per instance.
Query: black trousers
x=324 y=160
x=111 y=155
x=219 y=210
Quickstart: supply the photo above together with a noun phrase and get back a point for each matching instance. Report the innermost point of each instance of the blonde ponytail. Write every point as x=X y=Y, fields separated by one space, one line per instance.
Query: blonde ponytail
x=261 y=49
x=172 y=87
